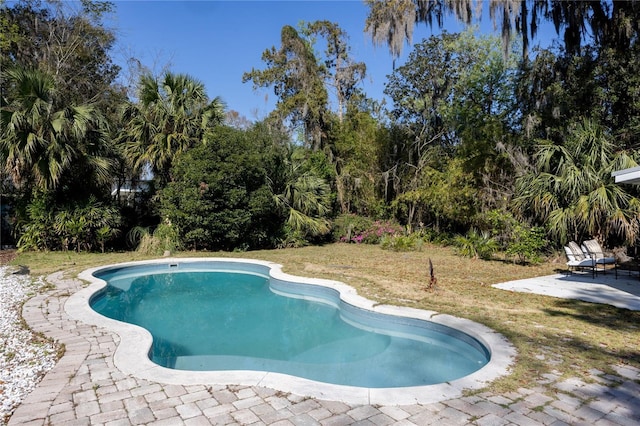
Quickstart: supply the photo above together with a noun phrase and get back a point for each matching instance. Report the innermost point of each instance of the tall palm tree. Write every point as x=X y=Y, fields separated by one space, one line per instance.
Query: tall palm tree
x=573 y=191
x=42 y=139
x=170 y=116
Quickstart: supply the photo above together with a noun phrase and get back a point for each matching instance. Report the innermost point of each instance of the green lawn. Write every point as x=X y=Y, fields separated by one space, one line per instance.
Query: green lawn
x=566 y=336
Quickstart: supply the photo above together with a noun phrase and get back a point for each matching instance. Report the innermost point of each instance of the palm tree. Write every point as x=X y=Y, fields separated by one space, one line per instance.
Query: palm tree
x=42 y=139
x=171 y=115
x=304 y=198
x=573 y=191
x=306 y=202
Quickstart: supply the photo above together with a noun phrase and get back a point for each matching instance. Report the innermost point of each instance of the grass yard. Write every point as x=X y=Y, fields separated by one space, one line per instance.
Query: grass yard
x=567 y=337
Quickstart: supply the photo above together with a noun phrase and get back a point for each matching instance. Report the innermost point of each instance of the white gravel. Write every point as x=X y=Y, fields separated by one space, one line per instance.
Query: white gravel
x=24 y=357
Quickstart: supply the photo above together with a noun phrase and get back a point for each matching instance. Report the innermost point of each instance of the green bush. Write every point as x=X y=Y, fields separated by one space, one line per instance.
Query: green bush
x=80 y=226
x=292 y=238
x=36 y=232
x=434 y=236
x=516 y=239
x=411 y=242
x=476 y=245
x=219 y=197
x=527 y=244
x=500 y=224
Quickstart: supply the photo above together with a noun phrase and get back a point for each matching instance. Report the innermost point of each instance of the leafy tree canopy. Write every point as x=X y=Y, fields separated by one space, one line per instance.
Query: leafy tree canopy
x=71 y=44
x=298 y=82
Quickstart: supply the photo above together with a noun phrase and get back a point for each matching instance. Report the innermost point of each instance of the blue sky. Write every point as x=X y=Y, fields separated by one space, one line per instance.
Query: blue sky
x=217 y=41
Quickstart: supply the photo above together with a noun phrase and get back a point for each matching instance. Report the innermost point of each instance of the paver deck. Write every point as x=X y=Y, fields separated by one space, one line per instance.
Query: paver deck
x=85 y=388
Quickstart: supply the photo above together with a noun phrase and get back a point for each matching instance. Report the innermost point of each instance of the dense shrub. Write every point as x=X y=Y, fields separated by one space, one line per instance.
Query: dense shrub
x=499 y=223
x=359 y=229
x=527 y=244
x=434 y=236
x=476 y=244
x=219 y=198
x=411 y=242
x=79 y=226
x=517 y=239
x=347 y=225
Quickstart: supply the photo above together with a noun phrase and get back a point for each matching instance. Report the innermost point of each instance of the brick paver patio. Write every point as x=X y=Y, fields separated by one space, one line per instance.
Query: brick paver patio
x=85 y=388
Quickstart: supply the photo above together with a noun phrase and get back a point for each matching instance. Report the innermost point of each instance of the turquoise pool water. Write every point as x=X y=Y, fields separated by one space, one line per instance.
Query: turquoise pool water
x=205 y=318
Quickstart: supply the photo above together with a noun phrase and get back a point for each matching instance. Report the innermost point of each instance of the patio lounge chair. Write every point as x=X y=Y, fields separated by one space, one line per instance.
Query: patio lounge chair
x=578 y=260
x=579 y=252
x=598 y=255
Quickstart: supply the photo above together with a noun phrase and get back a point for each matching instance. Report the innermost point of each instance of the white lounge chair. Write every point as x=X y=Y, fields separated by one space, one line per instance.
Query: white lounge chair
x=596 y=253
x=579 y=261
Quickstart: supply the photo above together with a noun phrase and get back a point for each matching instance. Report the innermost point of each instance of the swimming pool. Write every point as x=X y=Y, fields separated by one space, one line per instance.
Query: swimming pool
x=244 y=318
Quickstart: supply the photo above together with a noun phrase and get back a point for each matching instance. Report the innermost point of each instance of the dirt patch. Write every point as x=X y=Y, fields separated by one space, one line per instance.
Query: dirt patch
x=6 y=256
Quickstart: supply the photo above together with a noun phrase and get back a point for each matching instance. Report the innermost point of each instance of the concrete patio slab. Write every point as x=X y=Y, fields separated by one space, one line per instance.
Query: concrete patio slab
x=621 y=292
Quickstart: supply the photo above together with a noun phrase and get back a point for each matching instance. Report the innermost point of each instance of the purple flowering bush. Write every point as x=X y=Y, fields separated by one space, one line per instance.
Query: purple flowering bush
x=361 y=230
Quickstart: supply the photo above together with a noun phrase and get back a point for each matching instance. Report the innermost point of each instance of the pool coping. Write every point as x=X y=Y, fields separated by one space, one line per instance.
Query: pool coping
x=131 y=354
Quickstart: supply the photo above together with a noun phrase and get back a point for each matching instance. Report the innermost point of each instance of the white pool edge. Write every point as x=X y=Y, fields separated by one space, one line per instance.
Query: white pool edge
x=131 y=354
